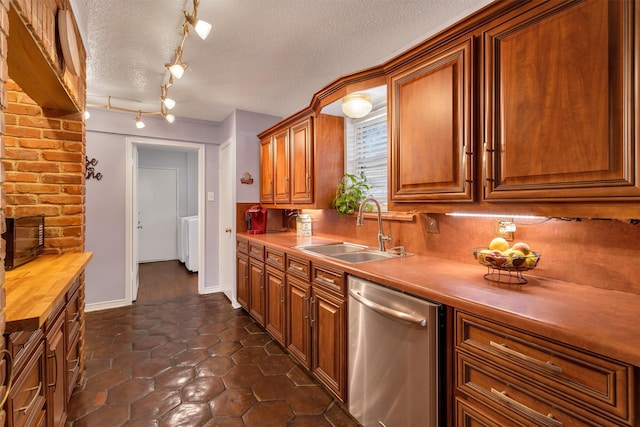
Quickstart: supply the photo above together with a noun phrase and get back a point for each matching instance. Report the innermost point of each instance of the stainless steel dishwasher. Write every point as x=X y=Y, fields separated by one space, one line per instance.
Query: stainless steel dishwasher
x=393 y=357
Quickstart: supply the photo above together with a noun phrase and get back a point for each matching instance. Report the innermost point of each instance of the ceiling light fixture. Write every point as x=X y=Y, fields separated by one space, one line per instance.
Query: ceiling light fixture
x=175 y=70
x=356 y=105
x=202 y=27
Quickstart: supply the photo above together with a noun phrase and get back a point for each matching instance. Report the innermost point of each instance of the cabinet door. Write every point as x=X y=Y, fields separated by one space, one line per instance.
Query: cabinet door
x=256 y=290
x=242 y=280
x=431 y=153
x=266 y=170
x=298 y=326
x=56 y=370
x=301 y=163
x=329 y=341
x=275 y=303
x=26 y=402
x=559 y=104
x=282 y=185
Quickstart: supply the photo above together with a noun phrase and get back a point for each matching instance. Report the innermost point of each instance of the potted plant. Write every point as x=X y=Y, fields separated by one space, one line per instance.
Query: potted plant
x=351 y=191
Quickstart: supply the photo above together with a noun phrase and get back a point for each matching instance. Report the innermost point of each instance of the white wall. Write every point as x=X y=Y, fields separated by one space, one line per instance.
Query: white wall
x=107 y=132
x=187 y=168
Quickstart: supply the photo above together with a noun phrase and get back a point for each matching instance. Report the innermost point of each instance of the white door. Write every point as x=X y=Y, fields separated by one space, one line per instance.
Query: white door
x=157 y=214
x=226 y=243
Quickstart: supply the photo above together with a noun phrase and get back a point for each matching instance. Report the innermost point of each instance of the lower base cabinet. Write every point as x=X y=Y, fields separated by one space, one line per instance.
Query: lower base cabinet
x=531 y=380
x=25 y=405
x=46 y=365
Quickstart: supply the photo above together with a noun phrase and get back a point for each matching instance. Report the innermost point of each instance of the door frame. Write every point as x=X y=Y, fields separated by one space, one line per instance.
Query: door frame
x=131 y=217
x=227 y=276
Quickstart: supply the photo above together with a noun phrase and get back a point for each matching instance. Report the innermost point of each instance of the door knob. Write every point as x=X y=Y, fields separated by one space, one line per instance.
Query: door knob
x=227 y=230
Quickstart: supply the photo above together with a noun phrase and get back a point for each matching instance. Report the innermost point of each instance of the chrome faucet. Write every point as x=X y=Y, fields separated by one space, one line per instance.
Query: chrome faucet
x=360 y=221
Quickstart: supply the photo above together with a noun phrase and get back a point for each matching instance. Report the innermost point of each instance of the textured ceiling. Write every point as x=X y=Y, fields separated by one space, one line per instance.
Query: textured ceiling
x=265 y=56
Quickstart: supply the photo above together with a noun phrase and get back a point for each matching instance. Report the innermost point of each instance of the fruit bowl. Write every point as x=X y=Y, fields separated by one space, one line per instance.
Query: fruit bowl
x=512 y=263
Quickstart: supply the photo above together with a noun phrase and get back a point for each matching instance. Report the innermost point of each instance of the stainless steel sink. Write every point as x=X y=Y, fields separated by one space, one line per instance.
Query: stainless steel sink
x=358 y=257
x=349 y=252
x=332 y=248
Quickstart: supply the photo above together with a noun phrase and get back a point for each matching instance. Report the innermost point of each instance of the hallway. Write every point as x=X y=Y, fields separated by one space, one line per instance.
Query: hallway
x=191 y=360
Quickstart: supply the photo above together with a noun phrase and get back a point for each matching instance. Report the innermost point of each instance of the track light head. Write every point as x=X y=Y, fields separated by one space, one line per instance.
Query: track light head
x=139 y=123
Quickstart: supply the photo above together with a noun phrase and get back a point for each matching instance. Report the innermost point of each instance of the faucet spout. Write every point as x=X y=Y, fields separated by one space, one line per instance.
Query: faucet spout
x=360 y=221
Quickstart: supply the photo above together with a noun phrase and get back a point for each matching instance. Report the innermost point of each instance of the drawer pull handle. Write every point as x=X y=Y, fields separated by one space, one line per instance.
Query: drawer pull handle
x=296 y=267
x=547 y=420
x=75 y=317
x=24 y=409
x=325 y=280
x=547 y=365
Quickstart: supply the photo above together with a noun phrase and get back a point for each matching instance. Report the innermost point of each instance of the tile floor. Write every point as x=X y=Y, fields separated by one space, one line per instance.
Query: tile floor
x=192 y=361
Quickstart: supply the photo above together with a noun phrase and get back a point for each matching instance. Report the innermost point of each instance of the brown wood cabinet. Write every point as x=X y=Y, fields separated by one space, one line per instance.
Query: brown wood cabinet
x=329 y=326
x=431 y=149
x=256 y=290
x=242 y=273
x=301 y=162
x=537 y=381
x=559 y=114
x=56 y=367
x=266 y=170
x=25 y=405
x=275 y=313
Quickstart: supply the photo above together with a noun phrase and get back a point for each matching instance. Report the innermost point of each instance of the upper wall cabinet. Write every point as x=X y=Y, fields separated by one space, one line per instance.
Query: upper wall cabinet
x=560 y=104
x=301 y=164
x=431 y=149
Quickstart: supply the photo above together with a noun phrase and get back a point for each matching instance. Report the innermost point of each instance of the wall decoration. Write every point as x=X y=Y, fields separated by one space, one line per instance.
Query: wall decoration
x=91 y=170
x=246 y=178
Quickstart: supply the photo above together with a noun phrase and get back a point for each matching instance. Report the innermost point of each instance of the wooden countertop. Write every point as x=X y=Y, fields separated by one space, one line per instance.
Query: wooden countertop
x=598 y=320
x=34 y=289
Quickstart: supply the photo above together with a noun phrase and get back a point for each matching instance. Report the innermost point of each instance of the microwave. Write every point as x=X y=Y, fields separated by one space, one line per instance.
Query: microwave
x=24 y=237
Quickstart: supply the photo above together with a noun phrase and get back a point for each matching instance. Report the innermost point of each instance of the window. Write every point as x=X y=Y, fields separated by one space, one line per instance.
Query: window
x=366 y=151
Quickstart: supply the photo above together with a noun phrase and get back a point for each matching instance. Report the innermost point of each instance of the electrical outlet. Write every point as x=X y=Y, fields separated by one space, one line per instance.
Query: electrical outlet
x=432 y=225
x=505 y=228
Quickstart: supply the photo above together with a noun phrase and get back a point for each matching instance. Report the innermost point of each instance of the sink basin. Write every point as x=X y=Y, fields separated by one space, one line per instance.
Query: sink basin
x=358 y=257
x=333 y=248
x=348 y=252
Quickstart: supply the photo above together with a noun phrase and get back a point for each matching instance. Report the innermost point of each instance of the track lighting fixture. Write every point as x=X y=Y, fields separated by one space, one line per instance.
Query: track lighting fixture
x=167 y=102
x=175 y=70
x=202 y=27
x=139 y=123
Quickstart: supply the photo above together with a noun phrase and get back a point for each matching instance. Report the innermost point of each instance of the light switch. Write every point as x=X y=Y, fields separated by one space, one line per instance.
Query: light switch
x=211 y=196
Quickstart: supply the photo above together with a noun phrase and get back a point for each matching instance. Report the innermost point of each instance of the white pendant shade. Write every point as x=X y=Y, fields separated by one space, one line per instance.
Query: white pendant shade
x=170 y=118
x=356 y=105
x=176 y=70
x=202 y=28
x=169 y=103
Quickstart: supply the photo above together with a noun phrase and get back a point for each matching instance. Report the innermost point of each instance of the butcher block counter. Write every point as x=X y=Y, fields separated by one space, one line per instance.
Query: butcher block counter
x=585 y=317
x=34 y=289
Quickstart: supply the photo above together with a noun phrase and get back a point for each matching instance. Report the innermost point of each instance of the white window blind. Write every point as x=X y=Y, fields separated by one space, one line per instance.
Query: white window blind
x=367 y=151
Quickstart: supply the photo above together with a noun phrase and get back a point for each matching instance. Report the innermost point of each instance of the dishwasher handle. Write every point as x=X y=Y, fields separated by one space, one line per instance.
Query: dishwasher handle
x=420 y=321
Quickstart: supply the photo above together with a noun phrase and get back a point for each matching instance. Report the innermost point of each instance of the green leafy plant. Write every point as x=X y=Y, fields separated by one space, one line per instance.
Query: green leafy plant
x=352 y=189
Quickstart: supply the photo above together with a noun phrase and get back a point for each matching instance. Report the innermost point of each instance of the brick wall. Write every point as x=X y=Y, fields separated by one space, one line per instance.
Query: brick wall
x=44 y=167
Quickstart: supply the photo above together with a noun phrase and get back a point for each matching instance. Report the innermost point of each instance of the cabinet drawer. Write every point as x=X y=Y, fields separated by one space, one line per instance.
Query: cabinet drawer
x=595 y=382
x=299 y=267
x=73 y=365
x=256 y=251
x=329 y=278
x=242 y=246
x=518 y=401
x=275 y=258
x=26 y=399
x=73 y=311
x=21 y=345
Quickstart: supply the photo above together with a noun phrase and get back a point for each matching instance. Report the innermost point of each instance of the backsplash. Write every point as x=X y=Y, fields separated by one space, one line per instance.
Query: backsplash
x=598 y=253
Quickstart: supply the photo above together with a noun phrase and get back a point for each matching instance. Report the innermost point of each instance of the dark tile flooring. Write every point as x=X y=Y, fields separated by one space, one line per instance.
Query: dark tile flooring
x=193 y=361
